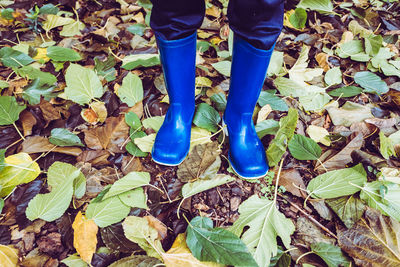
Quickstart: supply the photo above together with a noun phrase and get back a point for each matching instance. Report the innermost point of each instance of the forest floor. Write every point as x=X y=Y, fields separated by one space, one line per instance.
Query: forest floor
x=82 y=97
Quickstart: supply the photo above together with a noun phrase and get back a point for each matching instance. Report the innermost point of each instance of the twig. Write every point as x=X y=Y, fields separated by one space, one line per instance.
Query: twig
x=309 y=217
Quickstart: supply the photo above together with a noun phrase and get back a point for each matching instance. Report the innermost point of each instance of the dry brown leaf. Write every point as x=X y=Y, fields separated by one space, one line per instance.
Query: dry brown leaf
x=322 y=59
x=373 y=241
x=158 y=225
x=85 y=237
x=340 y=160
x=292 y=181
x=95 y=157
x=131 y=164
x=110 y=29
x=179 y=255
x=100 y=109
x=40 y=144
x=8 y=256
x=49 y=112
x=28 y=121
x=110 y=136
x=199 y=159
x=89 y=115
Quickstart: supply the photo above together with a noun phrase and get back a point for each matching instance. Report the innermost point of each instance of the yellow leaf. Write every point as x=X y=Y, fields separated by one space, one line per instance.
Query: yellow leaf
x=179 y=255
x=41 y=55
x=53 y=21
x=19 y=169
x=85 y=239
x=8 y=256
x=100 y=109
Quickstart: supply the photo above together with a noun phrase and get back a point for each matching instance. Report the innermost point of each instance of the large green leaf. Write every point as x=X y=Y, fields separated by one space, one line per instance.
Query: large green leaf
x=130 y=181
x=107 y=212
x=338 y=183
x=333 y=76
x=346 y=91
x=58 y=53
x=61 y=177
x=63 y=137
x=135 y=198
x=131 y=90
x=13 y=58
x=216 y=244
x=299 y=18
x=383 y=197
x=140 y=60
x=9 y=110
x=35 y=90
x=373 y=44
x=18 y=169
x=83 y=85
x=206 y=117
x=133 y=121
x=277 y=147
x=332 y=255
x=304 y=148
x=193 y=188
x=276 y=103
x=154 y=122
x=34 y=73
x=267 y=127
x=265 y=224
x=386 y=146
x=350 y=49
x=371 y=82
x=322 y=6
x=223 y=67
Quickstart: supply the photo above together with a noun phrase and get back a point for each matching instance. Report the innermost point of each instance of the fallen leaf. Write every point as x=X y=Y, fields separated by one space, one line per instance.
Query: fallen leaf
x=110 y=136
x=28 y=121
x=348 y=208
x=292 y=181
x=8 y=256
x=372 y=241
x=40 y=144
x=349 y=113
x=85 y=237
x=136 y=260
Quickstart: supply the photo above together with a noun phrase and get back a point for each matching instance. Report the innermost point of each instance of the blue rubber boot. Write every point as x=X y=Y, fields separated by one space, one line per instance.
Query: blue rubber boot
x=178 y=59
x=249 y=68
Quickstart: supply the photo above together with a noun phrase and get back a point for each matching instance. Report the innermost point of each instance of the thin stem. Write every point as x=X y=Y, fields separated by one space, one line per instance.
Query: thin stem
x=16 y=128
x=277 y=180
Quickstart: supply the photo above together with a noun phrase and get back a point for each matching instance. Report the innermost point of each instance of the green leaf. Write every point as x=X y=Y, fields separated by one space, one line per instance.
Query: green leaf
x=267 y=127
x=350 y=48
x=219 y=100
x=347 y=91
x=133 y=121
x=282 y=259
x=107 y=212
x=388 y=204
x=276 y=64
x=131 y=90
x=140 y=60
x=333 y=76
x=287 y=126
x=72 y=29
x=371 y=82
x=49 y=9
x=322 y=6
x=61 y=177
x=58 y=53
x=137 y=261
x=63 y=137
x=276 y=103
x=198 y=186
x=83 y=85
x=299 y=18
x=13 y=58
x=304 y=148
x=223 y=67
x=33 y=74
x=18 y=169
x=7 y=13
x=373 y=44
x=386 y=147
x=137 y=28
x=2 y=158
x=139 y=230
x=130 y=181
x=348 y=208
x=4 y=84
x=338 y=183
x=145 y=143
x=265 y=224
x=154 y=122
x=133 y=149
x=9 y=110
x=35 y=90
x=74 y=261
x=332 y=255
x=106 y=68
x=216 y=244
x=206 y=117
x=135 y=198
x=1 y=203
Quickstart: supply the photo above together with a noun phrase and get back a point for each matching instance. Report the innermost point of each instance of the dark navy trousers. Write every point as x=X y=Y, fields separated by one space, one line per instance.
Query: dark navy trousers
x=257 y=21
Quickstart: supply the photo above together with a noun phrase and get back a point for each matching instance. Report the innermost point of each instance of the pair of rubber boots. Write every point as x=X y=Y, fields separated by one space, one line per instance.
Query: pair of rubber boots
x=249 y=67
